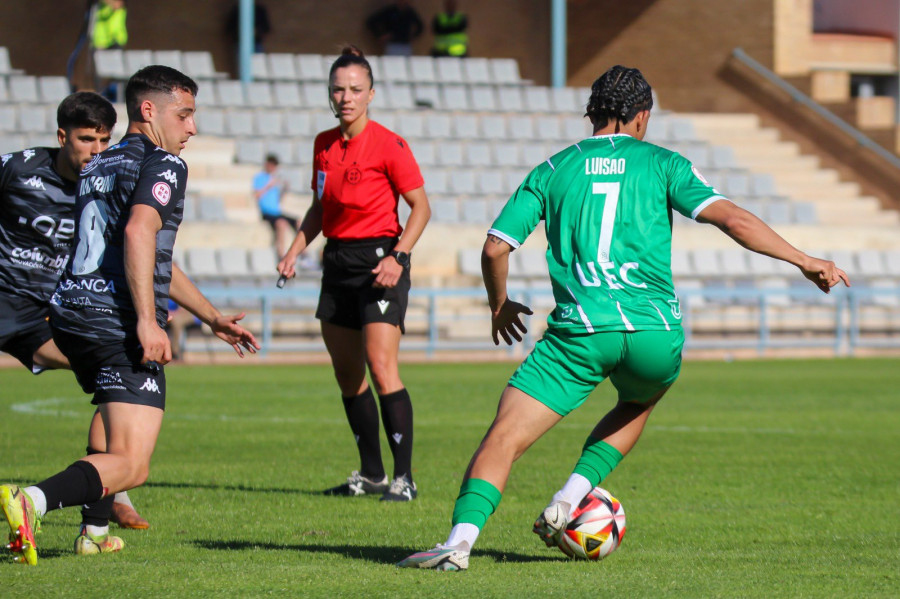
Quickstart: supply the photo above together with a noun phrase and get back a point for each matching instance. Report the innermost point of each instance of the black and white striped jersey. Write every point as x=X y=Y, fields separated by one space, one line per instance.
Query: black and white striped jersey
x=93 y=299
x=37 y=225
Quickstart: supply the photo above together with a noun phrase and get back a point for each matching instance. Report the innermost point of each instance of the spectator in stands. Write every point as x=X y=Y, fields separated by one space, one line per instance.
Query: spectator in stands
x=396 y=26
x=108 y=32
x=261 y=26
x=359 y=171
x=606 y=206
x=449 y=28
x=108 y=29
x=268 y=189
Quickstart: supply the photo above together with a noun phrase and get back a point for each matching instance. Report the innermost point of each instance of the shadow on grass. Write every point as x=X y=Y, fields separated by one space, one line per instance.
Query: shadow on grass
x=214 y=487
x=380 y=555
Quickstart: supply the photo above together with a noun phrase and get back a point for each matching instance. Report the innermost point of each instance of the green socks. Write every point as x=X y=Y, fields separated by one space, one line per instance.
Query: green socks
x=598 y=459
x=476 y=502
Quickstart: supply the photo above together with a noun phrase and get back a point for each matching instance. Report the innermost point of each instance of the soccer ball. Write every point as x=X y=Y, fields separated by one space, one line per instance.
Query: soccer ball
x=596 y=528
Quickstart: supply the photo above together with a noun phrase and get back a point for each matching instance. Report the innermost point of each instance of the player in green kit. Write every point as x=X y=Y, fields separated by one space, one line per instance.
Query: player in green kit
x=606 y=203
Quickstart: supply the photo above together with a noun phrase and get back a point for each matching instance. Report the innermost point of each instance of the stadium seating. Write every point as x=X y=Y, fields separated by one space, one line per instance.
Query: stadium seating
x=476 y=129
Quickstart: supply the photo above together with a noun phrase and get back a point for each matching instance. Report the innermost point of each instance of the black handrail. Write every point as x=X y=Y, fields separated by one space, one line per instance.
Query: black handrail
x=798 y=96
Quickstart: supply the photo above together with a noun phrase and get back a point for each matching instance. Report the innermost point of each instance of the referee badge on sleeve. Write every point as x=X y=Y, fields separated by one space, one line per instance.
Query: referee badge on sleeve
x=320 y=183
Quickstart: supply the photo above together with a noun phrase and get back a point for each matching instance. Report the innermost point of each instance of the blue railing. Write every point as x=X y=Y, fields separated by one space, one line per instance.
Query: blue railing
x=845 y=320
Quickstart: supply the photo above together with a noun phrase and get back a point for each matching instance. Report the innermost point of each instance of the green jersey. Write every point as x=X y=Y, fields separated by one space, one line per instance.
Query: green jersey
x=606 y=203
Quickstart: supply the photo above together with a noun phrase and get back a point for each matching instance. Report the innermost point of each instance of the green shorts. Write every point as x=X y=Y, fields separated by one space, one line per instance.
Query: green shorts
x=563 y=369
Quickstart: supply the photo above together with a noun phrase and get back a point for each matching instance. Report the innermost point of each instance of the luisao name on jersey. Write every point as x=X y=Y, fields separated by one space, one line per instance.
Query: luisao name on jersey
x=604 y=166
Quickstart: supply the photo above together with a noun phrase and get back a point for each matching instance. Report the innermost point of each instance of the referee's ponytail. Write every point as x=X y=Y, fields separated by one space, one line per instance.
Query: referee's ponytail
x=350 y=55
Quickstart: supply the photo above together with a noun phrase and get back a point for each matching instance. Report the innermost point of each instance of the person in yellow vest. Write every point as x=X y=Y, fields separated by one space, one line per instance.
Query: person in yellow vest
x=449 y=27
x=109 y=29
x=107 y=32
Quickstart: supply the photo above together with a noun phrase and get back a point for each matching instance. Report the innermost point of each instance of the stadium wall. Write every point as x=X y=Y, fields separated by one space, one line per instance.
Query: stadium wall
x=681 y=46
x=41 y=34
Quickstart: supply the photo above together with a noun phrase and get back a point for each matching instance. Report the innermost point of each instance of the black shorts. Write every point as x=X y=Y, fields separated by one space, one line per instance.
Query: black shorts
x=23 y=327
x=274 y=218
x=113 y=371
x=348 y=298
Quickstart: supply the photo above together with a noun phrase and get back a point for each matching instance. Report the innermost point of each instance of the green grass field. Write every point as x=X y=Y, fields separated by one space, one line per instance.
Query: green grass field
x=753 y=479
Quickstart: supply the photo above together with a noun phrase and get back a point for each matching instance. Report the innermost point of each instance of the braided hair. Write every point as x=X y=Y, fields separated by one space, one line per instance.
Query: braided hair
x=618 y=95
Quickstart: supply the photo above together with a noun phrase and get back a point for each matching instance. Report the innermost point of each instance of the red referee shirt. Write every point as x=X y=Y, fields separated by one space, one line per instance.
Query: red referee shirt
x=359 y=181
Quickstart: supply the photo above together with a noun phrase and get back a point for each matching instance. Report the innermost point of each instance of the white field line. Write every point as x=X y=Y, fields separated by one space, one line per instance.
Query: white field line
x=55 y=407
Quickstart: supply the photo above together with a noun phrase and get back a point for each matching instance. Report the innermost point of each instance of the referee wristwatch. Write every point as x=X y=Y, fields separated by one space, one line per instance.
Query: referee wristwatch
x=402 y=258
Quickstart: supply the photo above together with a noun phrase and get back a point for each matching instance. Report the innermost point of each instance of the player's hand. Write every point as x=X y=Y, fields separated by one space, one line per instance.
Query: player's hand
x=506 y=321
x=154 y=342
x=287 y=266
x=824 y=273
x=387 y=273
x=228 y=330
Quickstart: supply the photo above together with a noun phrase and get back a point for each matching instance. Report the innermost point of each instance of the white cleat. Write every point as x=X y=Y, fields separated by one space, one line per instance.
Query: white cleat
x=446 y=559
x=552 y=522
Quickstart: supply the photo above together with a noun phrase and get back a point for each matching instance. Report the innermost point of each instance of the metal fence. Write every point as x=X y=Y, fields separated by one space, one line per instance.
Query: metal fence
x=446 y=320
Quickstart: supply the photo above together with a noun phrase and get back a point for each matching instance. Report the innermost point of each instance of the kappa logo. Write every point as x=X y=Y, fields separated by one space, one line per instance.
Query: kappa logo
x=173 y=158
x=150 y=385
x=4 y=159
x=28 y=155
x=383 y=305
x=36 y=182
x=169 y=176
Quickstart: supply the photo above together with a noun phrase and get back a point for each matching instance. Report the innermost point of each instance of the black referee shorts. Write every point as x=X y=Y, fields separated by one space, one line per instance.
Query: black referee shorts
x=348 y=298
x=113 y=371
x=23 y=327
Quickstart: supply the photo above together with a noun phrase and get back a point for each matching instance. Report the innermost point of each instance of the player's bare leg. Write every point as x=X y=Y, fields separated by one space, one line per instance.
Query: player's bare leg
x=123 y=512
x=345 y=346
x=49 y=357
x=520 y=421
x=131 y=432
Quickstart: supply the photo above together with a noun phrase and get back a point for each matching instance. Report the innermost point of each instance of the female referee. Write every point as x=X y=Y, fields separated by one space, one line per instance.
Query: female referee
x=359 y=170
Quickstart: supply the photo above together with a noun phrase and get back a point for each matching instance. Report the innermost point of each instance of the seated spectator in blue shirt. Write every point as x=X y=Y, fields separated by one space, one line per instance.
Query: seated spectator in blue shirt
x=268 y=188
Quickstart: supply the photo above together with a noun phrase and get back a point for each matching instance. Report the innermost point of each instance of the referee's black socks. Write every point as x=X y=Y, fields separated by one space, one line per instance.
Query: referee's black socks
x=362 y=414
x=397 y=416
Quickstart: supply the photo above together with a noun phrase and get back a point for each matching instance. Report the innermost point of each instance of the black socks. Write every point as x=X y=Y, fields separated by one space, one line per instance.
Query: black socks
x=397 y=416
x=362 y=414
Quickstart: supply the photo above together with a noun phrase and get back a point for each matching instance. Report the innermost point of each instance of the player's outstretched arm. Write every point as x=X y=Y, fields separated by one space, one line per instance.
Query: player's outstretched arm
x=309 y=230
x=505 y=313
x=755 y=235
x=226 y=327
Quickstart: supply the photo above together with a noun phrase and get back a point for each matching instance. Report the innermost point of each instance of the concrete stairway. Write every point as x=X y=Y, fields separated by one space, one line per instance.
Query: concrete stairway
x=852 y=219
